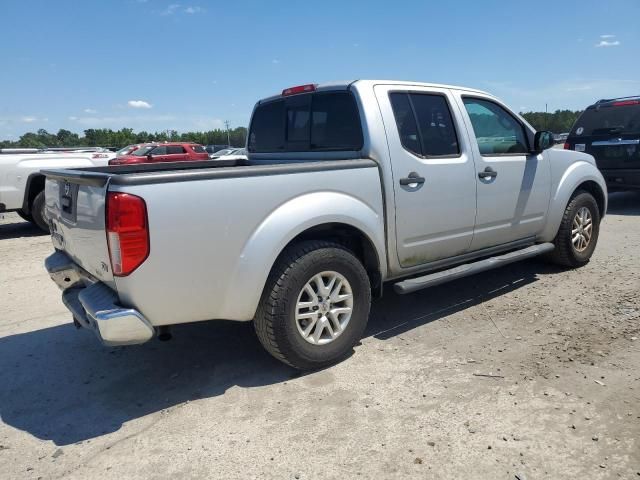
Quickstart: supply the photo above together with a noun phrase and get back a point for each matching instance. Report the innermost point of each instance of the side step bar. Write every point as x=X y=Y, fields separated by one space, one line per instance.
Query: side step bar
x=432 y=279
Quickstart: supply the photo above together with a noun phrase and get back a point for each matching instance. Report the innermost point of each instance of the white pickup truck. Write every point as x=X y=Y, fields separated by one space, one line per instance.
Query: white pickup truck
x=346 y=186
x=22 y=184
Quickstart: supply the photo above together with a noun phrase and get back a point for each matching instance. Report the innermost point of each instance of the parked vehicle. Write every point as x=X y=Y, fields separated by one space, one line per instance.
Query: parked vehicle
x=347 y=186
x=211 y=149
x=230 y=154
x=610 y=131
x=22 y=184
x=129 y=149
x=163 y=152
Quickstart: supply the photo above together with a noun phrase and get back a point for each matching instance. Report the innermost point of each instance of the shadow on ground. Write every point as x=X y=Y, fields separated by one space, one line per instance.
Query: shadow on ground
x=59 y=384
x=19 y=229
x=624 y=203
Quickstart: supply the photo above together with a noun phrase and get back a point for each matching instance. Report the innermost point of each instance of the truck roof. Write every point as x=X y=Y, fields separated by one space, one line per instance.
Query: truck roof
x=345 y=84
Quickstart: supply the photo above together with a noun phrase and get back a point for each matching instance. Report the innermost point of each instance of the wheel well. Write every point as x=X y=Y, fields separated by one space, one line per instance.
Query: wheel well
x=594 y=189
x=35 y=184
x=356 y=241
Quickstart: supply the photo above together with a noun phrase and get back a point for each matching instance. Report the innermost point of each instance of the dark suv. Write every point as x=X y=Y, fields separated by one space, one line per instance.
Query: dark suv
x=610 y=131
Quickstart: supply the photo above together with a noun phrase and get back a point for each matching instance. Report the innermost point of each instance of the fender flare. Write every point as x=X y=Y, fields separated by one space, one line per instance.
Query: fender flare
x=575 y=175
x=274 y=234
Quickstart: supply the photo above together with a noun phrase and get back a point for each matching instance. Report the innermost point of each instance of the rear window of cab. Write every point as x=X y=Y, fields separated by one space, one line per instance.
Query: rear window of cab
x=321 y=121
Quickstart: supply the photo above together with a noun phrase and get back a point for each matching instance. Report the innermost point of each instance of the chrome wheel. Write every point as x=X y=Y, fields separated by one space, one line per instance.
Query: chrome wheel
x=324 y=308
x=581 y=229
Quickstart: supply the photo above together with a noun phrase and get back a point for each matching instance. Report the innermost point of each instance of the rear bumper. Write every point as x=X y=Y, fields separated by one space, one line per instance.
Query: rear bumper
x=95 y=306
x=622 y=179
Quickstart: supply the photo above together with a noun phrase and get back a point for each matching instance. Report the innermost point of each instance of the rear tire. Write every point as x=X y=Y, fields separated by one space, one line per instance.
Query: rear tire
x=578 y=233
x=37 y=212
x=315 y=305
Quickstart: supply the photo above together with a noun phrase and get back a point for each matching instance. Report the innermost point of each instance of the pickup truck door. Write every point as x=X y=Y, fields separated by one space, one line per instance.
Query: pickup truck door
x=433 y=173
x=513 y=184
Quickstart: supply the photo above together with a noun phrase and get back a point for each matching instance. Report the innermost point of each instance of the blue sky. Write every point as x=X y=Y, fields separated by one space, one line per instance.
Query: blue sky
x=153 y=65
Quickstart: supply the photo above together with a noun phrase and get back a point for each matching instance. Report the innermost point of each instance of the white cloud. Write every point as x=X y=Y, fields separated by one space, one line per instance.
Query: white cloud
x=139 y=104
x=171 y=9
x=192 y=10
x=90 y=110
x=606 y=43
x=28 y=119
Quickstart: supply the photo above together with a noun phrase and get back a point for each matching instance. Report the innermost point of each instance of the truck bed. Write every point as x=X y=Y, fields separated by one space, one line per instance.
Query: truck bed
x=145 y=174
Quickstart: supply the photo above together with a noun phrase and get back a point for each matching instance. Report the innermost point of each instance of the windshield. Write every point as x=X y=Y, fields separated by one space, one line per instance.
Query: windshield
x=226 y=151
x=124 y=150
x=142 y=151
x=611 y=119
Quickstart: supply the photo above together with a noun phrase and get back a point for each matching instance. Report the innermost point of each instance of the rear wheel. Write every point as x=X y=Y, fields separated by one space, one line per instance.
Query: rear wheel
x=578 y=234
x=37 y=212
x=315 y=305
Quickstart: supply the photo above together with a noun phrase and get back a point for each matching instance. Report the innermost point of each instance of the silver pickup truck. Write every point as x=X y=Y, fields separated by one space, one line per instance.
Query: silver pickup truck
x=347 y=186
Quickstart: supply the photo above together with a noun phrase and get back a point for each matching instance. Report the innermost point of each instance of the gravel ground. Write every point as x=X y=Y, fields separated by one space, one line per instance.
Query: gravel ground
x=529 y=371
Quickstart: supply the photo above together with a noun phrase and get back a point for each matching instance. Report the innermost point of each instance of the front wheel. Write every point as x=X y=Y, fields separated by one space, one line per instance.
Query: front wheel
x=315 y=305
x=578 y=234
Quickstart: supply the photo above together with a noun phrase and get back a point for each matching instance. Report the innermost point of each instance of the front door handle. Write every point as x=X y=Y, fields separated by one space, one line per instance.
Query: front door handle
x=412 y=179
x=488 y=173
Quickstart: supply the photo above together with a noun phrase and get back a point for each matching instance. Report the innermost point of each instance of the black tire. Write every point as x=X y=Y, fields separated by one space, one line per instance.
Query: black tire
x=37 y=212
x=565 y=253
x=24 y=216
x=275 y=322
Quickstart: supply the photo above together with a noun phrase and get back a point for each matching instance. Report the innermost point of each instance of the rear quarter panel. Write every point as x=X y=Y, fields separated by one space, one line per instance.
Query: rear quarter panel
x=213 y=242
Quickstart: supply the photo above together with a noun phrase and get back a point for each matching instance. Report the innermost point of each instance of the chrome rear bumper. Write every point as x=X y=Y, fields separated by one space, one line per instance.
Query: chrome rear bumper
x=95 y=306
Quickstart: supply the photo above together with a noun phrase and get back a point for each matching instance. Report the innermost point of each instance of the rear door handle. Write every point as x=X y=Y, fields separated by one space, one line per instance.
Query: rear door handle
x=488 y=173
x=412 y=179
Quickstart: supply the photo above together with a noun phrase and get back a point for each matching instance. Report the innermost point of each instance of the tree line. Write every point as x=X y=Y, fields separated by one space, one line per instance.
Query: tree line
x=558 y=122
x=106 y=137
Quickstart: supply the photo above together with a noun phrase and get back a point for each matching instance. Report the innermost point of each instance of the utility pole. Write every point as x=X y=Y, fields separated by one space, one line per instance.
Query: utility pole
x=226 y=124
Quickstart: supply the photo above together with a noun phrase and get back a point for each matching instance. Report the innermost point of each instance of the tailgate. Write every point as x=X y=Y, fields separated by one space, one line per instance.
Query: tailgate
x=75 y=207
x=615 y=152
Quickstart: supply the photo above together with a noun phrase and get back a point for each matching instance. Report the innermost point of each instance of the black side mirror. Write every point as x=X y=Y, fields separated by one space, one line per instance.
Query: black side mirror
x=542 y=141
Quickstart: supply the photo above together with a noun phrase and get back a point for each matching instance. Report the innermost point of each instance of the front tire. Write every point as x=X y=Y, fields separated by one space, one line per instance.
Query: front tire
x=578 y=233
x=37 y=212
x=315 y=305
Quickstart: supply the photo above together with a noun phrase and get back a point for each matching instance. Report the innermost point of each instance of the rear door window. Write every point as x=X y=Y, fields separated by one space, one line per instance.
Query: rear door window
x=309 y=122
x=175 y=149
x=161 y=150
x=425 y=124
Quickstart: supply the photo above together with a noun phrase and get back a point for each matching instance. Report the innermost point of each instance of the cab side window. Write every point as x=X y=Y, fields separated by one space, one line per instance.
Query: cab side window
x=425 y=124
x=497 y=131
x=175 y=150
x=161 y=150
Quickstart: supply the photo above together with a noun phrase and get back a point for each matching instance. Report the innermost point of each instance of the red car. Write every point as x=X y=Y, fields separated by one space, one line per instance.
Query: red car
x=163 y=152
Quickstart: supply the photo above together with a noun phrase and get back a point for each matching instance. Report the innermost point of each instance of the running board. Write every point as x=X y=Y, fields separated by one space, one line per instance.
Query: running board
x=432 y=279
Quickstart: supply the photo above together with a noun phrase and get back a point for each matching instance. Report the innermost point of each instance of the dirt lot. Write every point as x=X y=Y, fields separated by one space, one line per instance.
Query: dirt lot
x=524 y=372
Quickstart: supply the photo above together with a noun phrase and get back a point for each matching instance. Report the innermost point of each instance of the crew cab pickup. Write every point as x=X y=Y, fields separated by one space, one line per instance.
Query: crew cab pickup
x=347 y=186
x=22 y=184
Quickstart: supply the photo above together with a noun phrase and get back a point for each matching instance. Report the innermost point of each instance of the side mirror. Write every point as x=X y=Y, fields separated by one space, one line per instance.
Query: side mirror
x=542 y=141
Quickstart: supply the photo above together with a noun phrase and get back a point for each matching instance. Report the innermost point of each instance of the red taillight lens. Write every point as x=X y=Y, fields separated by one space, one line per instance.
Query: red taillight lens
x=311 y=87
x=567 y=146
x=127 y=232
x=626 y=102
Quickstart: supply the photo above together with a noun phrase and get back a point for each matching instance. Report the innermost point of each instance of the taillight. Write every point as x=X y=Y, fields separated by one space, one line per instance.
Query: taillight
x=567 y=146
x=311 y=87
x=127 y=232
x=625 y=103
